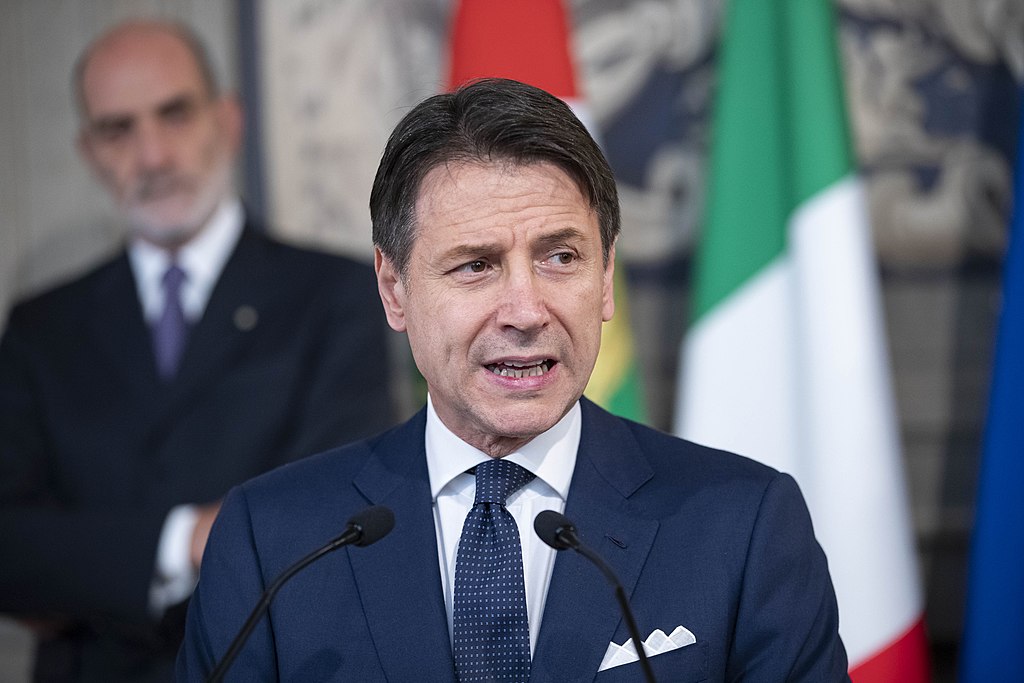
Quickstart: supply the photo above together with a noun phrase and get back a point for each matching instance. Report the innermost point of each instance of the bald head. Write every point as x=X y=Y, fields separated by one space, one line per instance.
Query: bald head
x=124 y=40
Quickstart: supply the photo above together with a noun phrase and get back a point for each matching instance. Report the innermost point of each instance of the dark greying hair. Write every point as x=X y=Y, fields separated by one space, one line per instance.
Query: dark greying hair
x=181 y=31
x=492 y=120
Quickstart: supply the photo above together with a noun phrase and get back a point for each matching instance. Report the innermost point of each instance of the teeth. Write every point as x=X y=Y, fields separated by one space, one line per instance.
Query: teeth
x=519 y=370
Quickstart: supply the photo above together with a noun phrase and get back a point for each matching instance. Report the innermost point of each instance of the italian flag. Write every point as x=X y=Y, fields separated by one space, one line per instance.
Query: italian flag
x=528 y=40
x=786 y=359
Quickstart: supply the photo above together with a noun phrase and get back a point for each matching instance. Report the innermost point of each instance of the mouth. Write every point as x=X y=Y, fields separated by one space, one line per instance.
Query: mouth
x=521 y=369
x=161 y=187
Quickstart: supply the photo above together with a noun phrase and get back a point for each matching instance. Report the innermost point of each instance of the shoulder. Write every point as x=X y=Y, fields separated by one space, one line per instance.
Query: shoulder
x=332 y=473
x=672 y=456
x=331 y=469
x=667 y=470
x=70 y=300
x=304 y=261
x=323 y=284
x=298 y=505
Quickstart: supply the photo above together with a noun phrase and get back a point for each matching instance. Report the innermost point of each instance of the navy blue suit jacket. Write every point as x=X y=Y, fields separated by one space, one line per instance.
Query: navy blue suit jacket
x=288 y=359
x=699 y=538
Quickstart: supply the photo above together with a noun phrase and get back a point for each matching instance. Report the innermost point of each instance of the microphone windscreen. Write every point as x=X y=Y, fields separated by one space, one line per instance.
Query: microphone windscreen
x=549 y=525
x=374 y=523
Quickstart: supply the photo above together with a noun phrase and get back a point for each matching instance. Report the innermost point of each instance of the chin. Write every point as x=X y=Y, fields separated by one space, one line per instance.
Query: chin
x=167 y=237
x=166 y=229
x=527 y=421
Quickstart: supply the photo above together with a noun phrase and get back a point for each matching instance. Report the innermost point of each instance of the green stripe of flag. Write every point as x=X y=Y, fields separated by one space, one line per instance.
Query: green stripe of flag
x=779 y=136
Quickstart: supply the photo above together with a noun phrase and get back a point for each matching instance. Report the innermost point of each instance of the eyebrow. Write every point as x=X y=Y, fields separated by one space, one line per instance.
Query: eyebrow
x=475 y=250
x=109 y=123
x=470 y=251
x=182 y=102
x=560 y=237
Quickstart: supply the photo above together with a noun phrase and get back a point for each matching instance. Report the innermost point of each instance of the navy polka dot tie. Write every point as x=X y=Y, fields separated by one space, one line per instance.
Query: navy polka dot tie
x=492 y=634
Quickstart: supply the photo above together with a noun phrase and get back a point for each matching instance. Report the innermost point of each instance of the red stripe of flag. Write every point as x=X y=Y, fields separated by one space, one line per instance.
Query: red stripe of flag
x=903 y=660
x=526 y=40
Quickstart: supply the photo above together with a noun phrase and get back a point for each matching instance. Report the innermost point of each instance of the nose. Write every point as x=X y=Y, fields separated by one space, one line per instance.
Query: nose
x=153 y=150
x=523 y=305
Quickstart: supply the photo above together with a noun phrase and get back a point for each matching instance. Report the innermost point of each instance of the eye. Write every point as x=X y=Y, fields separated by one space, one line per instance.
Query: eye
x=477 y=266
x=562 y=258
x=179 y=110
x=111 y=130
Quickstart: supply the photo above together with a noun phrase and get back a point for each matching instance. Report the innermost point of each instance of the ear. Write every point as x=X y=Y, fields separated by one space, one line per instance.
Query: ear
x=392 y=291
x=608 y=288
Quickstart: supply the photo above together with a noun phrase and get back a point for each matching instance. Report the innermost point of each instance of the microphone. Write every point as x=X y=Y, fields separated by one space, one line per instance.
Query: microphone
x=363 y=528
x=557 y=531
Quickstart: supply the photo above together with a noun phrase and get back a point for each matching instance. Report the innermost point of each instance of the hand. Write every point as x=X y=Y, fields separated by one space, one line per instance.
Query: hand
x=44 y=627
x=204 y=520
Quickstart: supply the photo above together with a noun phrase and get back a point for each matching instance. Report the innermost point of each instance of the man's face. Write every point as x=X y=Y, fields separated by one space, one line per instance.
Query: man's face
x=154 y=135
x=503 y=298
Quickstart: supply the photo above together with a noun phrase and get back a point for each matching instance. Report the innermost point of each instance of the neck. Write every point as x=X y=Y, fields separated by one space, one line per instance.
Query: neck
x=499 y=446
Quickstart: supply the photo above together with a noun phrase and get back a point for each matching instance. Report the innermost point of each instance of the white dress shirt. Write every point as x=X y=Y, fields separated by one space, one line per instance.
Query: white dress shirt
x=202 y=259
x=551 y=456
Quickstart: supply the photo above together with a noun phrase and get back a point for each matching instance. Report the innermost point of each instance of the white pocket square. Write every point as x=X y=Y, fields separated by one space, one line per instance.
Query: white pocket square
x=657 y=643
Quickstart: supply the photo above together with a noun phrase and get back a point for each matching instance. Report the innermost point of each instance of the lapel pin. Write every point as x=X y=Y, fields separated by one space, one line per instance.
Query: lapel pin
x=246 y=318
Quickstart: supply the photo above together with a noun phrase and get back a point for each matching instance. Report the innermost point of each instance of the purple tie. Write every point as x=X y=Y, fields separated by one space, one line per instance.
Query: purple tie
x=171 y=329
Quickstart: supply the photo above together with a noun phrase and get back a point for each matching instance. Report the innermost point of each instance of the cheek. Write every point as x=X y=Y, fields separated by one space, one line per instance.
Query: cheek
x=200 y=148
x=581 y=317
x=215 y=150
x=201 y=155
x=117 y=174
x=449 y=329
x=428 y=328
x=216 y=144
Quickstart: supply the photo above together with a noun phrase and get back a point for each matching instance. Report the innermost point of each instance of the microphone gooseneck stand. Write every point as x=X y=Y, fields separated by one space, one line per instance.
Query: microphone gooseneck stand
x=365 y=527
x=558 y=532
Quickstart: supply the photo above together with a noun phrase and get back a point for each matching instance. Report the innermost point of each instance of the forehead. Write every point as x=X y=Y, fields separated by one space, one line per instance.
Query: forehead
x=138 y=70
x=465 y=197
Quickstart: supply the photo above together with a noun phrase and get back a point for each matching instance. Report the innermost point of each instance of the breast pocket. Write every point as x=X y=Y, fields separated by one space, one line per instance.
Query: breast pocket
x=688 y=664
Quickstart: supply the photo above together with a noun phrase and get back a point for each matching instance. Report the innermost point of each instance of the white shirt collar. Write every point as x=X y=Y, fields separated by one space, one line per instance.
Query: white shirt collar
x=551 y=456
x=202 y=259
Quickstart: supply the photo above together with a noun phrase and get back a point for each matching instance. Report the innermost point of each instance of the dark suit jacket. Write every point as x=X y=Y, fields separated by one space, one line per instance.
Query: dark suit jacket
x=700 y=538
x=289 y=358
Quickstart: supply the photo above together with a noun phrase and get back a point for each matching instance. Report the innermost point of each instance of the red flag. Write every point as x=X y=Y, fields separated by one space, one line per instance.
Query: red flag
x=522 y=39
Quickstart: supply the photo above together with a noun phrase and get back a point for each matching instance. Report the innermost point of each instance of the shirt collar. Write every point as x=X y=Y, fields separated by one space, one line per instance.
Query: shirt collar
x=551 y=456
x=202 y=258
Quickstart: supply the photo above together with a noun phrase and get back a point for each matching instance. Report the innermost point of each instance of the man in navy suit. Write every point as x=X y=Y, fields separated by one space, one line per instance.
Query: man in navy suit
x=495 y=217
x=127 y=410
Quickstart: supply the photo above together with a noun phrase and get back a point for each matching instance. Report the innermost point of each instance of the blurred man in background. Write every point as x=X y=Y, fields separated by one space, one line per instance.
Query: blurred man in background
x=132 y=398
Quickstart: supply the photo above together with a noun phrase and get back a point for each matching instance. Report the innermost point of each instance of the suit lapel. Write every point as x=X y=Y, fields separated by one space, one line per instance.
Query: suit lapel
x=399 y=580
x=119 y=330
x=582 y=615
x=230 y=314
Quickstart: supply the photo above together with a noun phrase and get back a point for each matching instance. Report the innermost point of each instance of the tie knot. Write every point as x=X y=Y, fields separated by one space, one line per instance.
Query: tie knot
x=497 y=479
x=173 y=277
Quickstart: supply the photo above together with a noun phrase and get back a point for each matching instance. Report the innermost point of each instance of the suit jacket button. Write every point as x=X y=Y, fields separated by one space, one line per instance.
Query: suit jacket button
x=246 y=318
